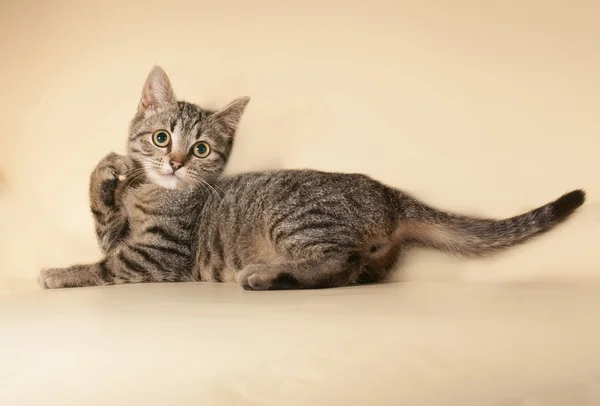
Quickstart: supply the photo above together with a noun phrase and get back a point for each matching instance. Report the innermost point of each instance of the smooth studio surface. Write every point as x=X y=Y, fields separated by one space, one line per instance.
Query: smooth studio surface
x=477 y=107
x=414 y=343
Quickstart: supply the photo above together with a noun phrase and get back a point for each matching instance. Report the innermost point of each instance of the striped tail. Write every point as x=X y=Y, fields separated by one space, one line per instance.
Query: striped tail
x=477 y=237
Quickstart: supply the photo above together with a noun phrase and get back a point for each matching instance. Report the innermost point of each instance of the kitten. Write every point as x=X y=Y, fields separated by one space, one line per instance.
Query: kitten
x=163 y=213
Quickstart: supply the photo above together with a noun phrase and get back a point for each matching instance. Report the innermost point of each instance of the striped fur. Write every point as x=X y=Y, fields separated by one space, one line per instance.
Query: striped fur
x=293 y=229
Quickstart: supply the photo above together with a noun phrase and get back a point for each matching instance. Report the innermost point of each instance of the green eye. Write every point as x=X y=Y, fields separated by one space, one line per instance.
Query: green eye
x=161 y=138
x=201 y=149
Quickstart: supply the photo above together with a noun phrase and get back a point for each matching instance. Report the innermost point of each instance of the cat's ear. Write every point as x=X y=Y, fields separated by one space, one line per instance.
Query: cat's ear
x=158 y=92
x=230 y=116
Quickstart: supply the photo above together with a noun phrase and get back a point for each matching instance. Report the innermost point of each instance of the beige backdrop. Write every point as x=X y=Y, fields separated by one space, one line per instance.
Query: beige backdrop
x=478 y=106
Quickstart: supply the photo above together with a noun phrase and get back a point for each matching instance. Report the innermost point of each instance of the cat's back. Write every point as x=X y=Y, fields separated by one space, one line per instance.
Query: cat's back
x=295 y=181
x=263 y=195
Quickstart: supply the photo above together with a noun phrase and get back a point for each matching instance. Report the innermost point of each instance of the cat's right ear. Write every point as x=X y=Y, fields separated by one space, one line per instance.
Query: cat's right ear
x=157 y=93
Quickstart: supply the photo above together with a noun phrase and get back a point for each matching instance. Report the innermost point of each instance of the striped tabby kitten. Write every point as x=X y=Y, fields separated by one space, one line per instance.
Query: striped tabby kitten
x=163 y=213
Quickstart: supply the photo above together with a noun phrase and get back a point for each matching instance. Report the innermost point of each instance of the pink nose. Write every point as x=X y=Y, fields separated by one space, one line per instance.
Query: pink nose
x=175 y=165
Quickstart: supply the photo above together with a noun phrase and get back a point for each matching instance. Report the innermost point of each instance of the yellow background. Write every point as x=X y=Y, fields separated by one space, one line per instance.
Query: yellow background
x=484 y=107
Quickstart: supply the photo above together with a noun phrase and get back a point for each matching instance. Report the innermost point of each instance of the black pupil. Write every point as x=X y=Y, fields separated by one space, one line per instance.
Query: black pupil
x=201 y=149
x=161 y=138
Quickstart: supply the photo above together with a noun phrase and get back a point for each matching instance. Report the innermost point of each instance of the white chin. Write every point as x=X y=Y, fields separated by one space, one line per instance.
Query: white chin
x=166 y=181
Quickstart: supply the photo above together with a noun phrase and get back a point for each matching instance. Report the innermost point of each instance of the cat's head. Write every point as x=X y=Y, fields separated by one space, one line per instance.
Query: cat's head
x=178 y=144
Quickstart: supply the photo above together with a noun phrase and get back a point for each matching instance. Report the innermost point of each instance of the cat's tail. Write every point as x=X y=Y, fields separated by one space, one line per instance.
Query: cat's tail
x=476 y=237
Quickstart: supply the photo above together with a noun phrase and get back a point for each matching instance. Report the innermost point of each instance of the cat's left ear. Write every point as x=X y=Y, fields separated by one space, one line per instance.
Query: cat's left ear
x=230 y=116
x=158 y=92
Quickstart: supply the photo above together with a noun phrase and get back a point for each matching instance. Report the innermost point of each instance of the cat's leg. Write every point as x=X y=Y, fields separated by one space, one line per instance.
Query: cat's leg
x=113 y=270
x=106 y=184
x=127 y=264
x=116 y=268
x=97 y=274
x=326 y=265
x=304 y=274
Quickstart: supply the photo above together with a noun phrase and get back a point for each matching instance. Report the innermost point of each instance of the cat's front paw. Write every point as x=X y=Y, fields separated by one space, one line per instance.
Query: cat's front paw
x=110 y=171
x=74 y=276
x=50 y=279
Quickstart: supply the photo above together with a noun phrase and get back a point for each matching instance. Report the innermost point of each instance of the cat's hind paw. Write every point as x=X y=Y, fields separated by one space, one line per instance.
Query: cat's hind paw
x=266 y=277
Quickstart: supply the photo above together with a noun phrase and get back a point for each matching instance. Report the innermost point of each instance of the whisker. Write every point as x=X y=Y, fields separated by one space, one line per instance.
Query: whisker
x=210 y=186
x=127 y=172
x=197 y=183
x=135 y=176
x=218 y=187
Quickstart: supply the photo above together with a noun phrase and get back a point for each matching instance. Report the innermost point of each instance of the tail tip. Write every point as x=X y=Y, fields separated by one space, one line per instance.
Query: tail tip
x=568 y=203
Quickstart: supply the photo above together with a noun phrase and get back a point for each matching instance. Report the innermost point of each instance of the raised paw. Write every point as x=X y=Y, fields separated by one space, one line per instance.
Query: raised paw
x=267 y=277
x=107 y=175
